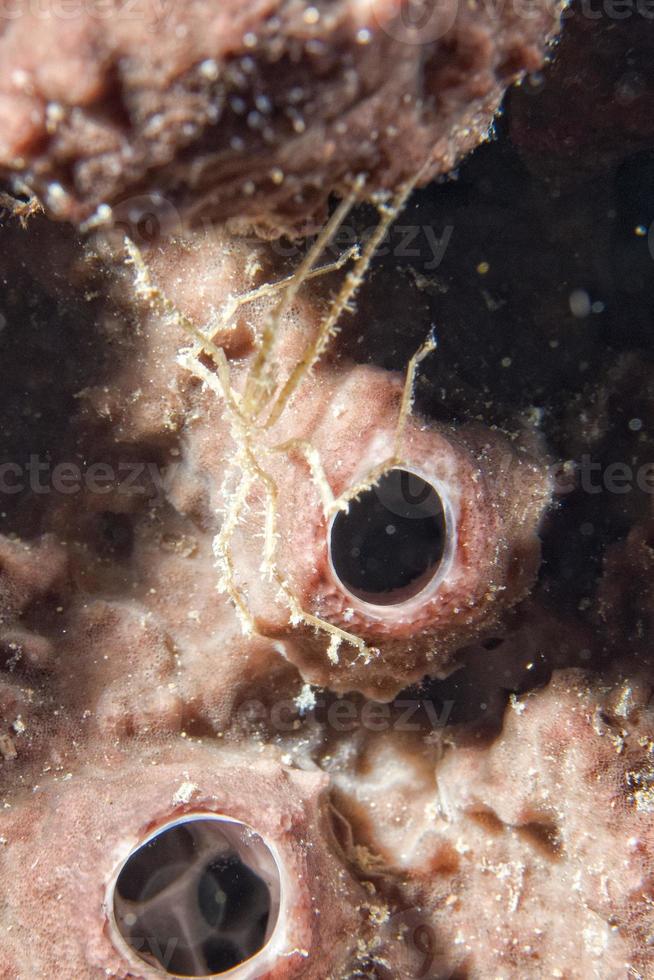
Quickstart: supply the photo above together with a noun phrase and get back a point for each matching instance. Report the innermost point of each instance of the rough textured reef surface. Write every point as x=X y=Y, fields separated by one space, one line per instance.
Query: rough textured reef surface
x=257 y=110
x=503 y=848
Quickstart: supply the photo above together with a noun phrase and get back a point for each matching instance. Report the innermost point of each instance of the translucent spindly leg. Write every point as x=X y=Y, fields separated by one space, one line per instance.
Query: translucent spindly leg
x=406 y=406
x=330 y=324
x=255 y=475
x=265 y=291
x=258 y=385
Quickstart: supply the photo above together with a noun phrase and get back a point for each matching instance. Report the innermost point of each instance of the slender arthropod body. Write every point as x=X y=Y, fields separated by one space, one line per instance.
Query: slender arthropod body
x=264 y=398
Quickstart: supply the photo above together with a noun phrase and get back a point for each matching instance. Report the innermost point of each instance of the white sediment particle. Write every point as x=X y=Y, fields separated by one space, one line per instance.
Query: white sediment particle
x=379 y=914
x=101 y=216
x=644 y=799
x=596 y=936
x=209 y=69
x=624 y=704
x=21 y=79
x=280 y=648
x=55 y=192
x=517 y=705
x=513 y=873
x=332 y=649
x=306 y=699
x=579 y=302
x=184 y=793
